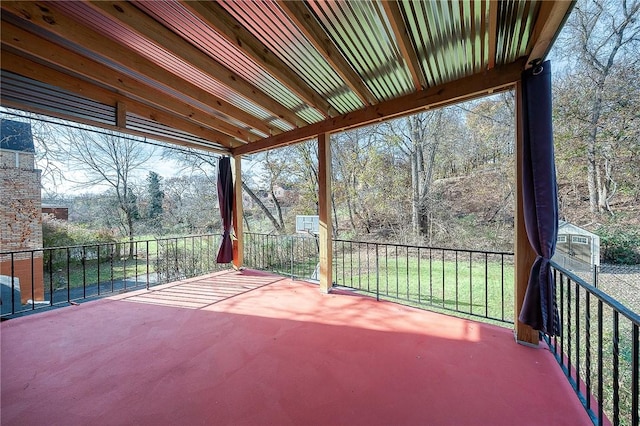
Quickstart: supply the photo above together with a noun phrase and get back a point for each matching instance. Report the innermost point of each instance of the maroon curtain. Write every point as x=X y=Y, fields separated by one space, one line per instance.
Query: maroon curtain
x=225 y=200
x=540 y=199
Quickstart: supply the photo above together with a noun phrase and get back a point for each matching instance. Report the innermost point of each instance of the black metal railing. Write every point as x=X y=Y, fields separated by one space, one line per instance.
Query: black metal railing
x=597 y=349
x=61 y=275
x=467 y=282
x=294 y=256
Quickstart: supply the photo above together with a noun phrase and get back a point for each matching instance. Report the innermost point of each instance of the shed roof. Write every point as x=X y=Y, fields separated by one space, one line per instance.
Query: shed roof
x=566 y=228
x=239 y=77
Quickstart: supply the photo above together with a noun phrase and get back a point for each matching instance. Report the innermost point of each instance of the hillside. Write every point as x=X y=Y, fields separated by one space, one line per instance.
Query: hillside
x=480 y=207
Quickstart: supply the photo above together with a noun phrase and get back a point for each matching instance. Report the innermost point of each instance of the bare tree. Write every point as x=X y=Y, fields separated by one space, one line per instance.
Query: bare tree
x=106 y=159
x=205 y=165
x=603 y=34
x=43 y=132
x=418 y=137
x=352 y=153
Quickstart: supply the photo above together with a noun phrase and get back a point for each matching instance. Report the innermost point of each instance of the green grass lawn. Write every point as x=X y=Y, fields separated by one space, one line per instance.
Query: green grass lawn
x=473 y=286
x=93 y=272
x=170 y=257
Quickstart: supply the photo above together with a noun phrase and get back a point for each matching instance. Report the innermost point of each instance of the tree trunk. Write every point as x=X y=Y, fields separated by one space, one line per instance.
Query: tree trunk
x=415 y=199
x=264 y=208
x=246 y=223
x=276 y=203
x=350 y=211
x=335 y=215
x=592 y=165
x=595 y=182
x=131 y=243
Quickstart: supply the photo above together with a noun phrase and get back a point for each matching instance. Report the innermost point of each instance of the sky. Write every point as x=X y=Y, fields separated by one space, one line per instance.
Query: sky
x=166 y=168
x=44 y=131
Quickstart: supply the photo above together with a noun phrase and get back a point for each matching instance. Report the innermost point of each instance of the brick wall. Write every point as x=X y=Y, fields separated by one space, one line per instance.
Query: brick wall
x=21 y=219
x=17 y=160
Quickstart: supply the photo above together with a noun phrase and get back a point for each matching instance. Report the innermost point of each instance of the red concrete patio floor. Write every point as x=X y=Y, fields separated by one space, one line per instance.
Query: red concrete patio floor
x=277 y=353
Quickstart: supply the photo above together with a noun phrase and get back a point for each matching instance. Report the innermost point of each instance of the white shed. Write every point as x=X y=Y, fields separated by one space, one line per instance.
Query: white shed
x=577 y=244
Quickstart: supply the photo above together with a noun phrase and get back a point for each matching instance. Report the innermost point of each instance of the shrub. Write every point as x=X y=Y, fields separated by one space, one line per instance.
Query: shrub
x=59 y=233
x=619 y=246
x=55 y=232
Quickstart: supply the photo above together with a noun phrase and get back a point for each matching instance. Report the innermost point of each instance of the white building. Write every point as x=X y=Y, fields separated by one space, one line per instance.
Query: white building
x=576 y=246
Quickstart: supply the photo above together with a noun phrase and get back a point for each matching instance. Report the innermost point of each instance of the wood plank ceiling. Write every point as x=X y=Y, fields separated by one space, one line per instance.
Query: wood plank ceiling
x=239 y=77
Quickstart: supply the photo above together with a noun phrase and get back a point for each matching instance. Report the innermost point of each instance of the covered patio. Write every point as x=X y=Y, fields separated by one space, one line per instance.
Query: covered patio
x=237 y=78
x=254 y=348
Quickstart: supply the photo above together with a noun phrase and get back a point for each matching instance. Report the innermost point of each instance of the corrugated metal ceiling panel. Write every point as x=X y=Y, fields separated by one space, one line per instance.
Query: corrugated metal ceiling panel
x=169 y=61
x=200 y=34
x=256 y=63
x=514 y=35
x=456 y=31
x=49 y=99
x=267 y=22
x=153 y=128
x=362 y=32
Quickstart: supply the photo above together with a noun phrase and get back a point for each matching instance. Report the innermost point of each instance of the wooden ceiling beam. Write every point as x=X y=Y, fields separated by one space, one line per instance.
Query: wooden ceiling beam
x=138 y=21
x=313 y=31
x=246 y=42
x=55 y=22
x=48 y=52
x=464 y=89
x=394 y=15
x=25 y=67
x=550 y=19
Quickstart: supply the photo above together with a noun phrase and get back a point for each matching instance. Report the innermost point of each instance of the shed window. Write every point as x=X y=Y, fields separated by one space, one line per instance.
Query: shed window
x=579 y=240
x=562 y=238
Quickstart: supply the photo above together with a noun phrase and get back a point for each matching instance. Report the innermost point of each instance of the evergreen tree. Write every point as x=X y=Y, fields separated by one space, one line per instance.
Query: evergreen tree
x=156 y=195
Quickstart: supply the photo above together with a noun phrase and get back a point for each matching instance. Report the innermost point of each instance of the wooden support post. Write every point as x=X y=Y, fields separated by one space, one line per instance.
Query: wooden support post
x=524 y=253
x=324 y=207
x=121 y=115
x=238 y=212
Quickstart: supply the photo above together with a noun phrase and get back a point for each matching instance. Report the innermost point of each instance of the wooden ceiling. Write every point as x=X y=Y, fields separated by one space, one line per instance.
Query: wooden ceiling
x=239 y=77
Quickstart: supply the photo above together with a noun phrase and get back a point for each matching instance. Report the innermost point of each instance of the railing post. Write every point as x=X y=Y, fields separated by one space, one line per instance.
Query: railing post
x=635 y=415
x=600 y=366
x=136 y=262
x=124 y=270
x=113 y=254
x=33 y=283
x=147 y=250
x=50 y=275
x=98 y=260
x=292 y=242
x=377 y=274
x=68 y=275
x=13 y=285
x=84 y=272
